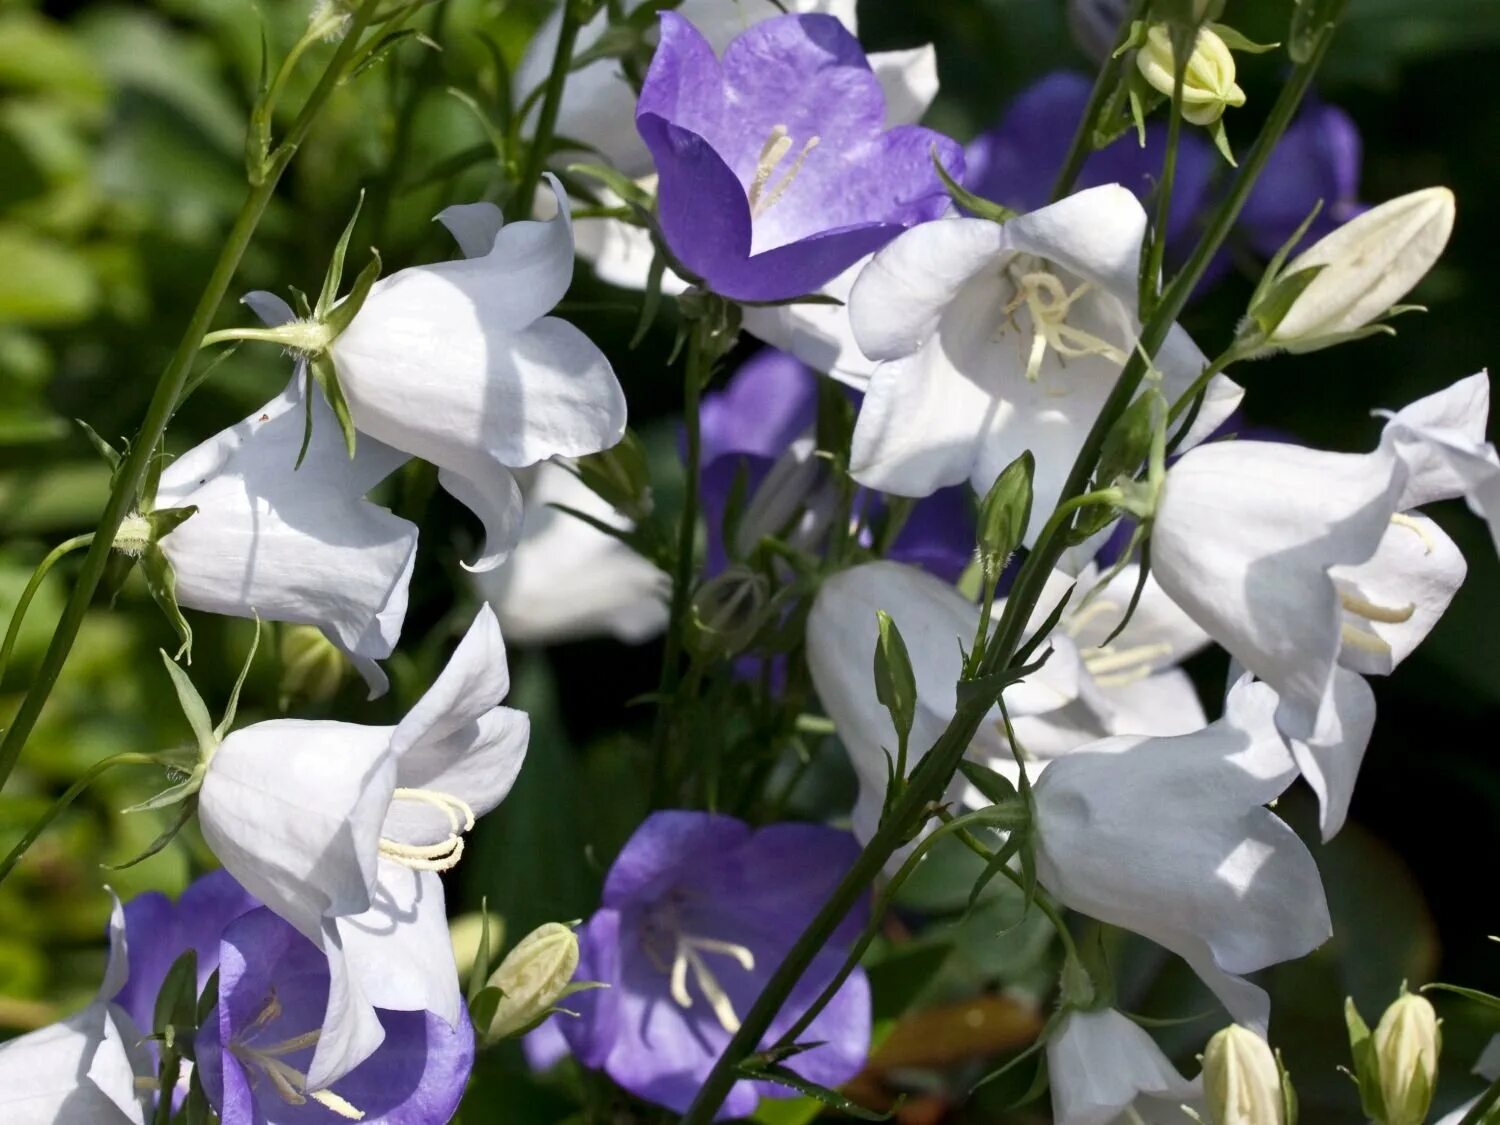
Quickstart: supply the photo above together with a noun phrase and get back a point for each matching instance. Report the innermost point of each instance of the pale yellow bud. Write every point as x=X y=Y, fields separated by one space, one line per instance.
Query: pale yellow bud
x=1241 y=1081
x=1369 y=264
x=1208 y=86
x=533 y=976
x=1407 y=1044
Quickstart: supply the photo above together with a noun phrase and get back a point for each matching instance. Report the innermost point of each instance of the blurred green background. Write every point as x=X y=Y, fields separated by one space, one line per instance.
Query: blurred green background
x=121 y=139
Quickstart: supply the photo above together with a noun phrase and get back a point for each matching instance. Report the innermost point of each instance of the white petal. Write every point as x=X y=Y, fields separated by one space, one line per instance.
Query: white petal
x=909 y=80
x=566 y=579
x=1099 y=1063
x=622 y=253
x=287 y=544
x=901 y=297
x=351 y=1030
x=1331 y=758
x=474 y=681
x=474 y=226
x=399 y=951
x=1095 y=234
x=77 y=1072
x=271 y=309
x=491 y=493
x=1159 y=705
x=1245 y=534
x=821 y=336
x=293 y=809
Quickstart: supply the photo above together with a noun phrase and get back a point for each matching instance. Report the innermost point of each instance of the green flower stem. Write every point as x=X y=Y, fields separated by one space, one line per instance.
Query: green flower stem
x=1083 y=139
x=68 y=797
x=24 y=602
x=933 y=773
x=546 y=122
x=1151 y=277
x=1481 y=1109
x=169 y=387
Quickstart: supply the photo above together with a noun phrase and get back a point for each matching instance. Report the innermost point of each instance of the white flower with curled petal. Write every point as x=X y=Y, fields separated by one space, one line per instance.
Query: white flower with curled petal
x=458 y=363
x=274 y=540
x=1307 y=566
x=1105 y=1070
x=998 y=338
x=567 y=579
x=88 y=1069
x=598 y=109
x=342 y=830
x=1169 y=837
x=1056 y=710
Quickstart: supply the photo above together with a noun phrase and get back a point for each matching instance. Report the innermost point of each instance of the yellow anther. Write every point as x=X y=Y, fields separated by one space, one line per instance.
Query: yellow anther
x=772 y=153
x=443 y=855
x=1042 y=293
x=1110 y=659
x=689 y=957
x=1372 y=612
x=1416 y=527
x=1366 y=642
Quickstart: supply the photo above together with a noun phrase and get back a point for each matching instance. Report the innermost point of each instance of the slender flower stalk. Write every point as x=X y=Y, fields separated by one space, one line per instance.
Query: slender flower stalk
x=546 y=124
x=1083 y=139
x=932 y=775
x=23 y=603
x=169 y=388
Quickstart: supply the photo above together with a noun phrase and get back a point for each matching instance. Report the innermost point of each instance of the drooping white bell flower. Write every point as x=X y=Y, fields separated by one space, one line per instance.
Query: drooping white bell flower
x=458 y=363
x=284 y=543
x=998 y=338
x=342 y=830
x=1169 y=837
x=1300 y=562
x=1054 y=711
x=566 y=579
x=1105 y=1070
x=83 y=1070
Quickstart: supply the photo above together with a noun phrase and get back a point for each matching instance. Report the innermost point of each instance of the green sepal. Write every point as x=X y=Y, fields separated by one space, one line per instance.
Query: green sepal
x=1236 y=41
x=168 y=834
x=1047 y=627
x=996 y=787
x=1272 y=273
x=110 y=454
x=177 y=1003
x=989 y=687
x=1289 y=1105
x=1366 y=1063
x=258 y=132
x=339 y=317
x=164 y=521
x=1474 y=994
x=629 y=192
x=895 y=682
x=975 y=204
x=334 y=277
x=480 y=973
x=1005 y=512
x=232 y=706
x=483 y=1005
x=782 y=1076
x=161 y=581
x=1267 y=315
x=1220 y=136
x=499 y=143
x=321 y=370
x=1143 y=573
x=650 y=300
x=619 y=476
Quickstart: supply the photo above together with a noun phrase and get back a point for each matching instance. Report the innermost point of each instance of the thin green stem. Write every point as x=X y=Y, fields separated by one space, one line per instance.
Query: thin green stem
x=933 y=773
x=546 y=122
x=69 y=796
x=164 y=400
x=1199 y=385
x=24 y=602
x=1151 y=276
x=1083 y=138
x=1480 y=1109
x=694 y=376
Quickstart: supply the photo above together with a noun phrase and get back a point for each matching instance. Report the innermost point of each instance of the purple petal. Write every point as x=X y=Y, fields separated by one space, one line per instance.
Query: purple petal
x=939 y=534
x=592 y=1035
x=843 y=1027
x=1317 y=159
x=701 y=207
x=771 y=400
x=799 y=267
x=717 y=484
x=656 y=856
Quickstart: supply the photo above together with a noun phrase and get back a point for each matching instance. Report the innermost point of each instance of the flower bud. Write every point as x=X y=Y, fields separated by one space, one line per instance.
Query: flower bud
x=620 y=477
x=1368 y=264
x=789 y=488
x=1407 y=1043
x=729 y=609
x=312 y=667
x=1208 y=86
x=1241 y=1080
x=533 y=977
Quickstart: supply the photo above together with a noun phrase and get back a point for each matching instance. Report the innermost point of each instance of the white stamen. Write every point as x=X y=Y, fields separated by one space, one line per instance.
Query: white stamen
x=777 y=145
x=1044 y=296
x=689 y=957
x=1078 y=622
x=443 y=855
x=1416 y=527
x=1372 y=612
x=1368 y=642
x=289 y=1082
x=1110 y=659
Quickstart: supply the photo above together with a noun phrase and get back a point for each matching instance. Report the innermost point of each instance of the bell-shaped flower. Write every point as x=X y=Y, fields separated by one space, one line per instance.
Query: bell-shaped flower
x=1367 y=265
x=1105 y=1070
x=342 y=830
x=85 y=1070
x=775 y=171
x=697 y=913
x=567 y=579
x=1170 y=838
x=458 y=363
x=1054 y=711
x=287 y=543
x=998 y=338
x=1301 y=562
x=254 y=1048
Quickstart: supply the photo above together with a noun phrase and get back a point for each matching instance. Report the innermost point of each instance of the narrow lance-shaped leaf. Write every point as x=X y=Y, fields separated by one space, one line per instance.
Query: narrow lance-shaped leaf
x=162 y=584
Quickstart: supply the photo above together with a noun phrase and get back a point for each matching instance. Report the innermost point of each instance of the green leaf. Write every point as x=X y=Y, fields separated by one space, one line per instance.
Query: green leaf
x=771 y=1072
x=234 y=695
x=622 y=185
x=480 y=972
x=1474 y=994
x=44 y=282
x=162 y=584
x=209 y=999
x=110 y=454
x=650 y=300
x=164 y=521
x=483 y=1006
x=193 y=707
x=177 y=1000
x=197 y=1110
x=334 y=277
x=989 y=687
x=1273 y=307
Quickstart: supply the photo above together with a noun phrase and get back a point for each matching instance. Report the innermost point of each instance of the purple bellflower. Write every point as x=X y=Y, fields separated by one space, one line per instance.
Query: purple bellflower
x=253 y=1049
x=698 y=910
x=775 y=170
